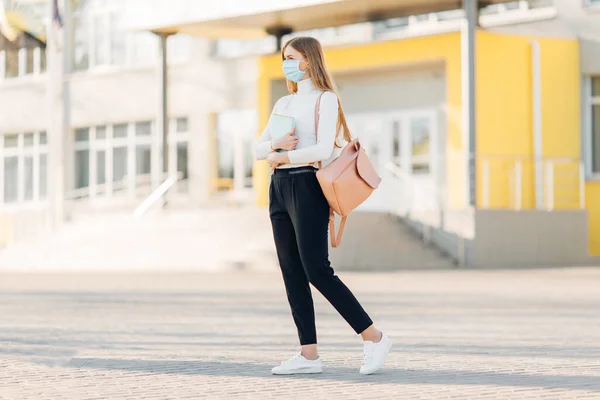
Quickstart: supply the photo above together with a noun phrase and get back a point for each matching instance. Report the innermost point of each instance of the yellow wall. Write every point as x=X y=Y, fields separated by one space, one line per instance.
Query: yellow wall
x=370 y=57
x=592 y=200
x=504 y=111
x=505 y=115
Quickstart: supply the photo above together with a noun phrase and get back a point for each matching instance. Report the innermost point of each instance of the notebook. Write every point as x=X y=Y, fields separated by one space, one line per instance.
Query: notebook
x=281 y=125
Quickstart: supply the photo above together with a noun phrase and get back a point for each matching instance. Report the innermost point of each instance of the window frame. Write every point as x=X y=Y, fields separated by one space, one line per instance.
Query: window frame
x=179 y=50
x=590 y=101
x=36 y=55
x=36 y=150
x=133 y=182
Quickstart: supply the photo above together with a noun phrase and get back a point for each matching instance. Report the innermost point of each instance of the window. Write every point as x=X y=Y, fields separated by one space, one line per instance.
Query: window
x=178 y=150
x=82 y=158
x=120 y=131
x=181 y=125
x=143 y=128
x=23 y=158
x=22 y=58
x=101 y=38
x=81 y=38
x=121 y=158
x=117 y=39
x=11 y=179
x=143 y=159
x=101 y=132
x=595 y=126
x=119 y=166
x=420 y=140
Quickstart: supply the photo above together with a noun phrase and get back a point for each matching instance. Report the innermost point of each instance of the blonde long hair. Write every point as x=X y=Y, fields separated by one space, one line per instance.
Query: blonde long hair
x=311 y=50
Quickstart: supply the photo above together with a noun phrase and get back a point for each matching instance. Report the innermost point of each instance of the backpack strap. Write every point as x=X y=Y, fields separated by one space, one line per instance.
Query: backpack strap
x=317 y=112
x=336 y=239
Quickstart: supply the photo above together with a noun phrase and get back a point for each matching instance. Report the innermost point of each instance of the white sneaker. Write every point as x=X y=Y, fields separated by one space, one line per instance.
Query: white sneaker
x=298 y=365
x=374 y=355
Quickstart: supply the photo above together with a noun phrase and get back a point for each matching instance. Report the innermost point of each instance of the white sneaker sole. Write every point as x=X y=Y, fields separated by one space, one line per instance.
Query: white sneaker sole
x=299 y=371
x=380 y=364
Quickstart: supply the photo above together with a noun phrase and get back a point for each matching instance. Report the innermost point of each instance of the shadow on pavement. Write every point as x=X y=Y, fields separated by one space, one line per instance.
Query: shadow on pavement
x=385 y=376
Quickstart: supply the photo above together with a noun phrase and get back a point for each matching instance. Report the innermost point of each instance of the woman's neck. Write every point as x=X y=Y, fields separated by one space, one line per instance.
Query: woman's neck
x=306 y=86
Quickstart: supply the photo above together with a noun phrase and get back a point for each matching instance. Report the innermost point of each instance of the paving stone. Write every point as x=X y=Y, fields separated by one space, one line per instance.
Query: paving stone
x=503 y=334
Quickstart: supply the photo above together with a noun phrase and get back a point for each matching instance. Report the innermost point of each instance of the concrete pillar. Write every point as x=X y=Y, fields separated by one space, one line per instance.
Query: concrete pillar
x=162 y=116
x=58 y=50
x=468 y=50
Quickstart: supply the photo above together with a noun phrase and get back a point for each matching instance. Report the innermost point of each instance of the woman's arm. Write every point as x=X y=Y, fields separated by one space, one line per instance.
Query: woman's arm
x=328 y=115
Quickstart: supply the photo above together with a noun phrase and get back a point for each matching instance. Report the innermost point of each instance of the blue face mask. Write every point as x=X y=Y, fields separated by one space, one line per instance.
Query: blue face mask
x=292 y=71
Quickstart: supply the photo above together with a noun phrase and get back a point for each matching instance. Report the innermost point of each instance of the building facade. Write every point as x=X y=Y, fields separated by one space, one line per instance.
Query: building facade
x=538 y=109
x=537 y=77
x=113 y=153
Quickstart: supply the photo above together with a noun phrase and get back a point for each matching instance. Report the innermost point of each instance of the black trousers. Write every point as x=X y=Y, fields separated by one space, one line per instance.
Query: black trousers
x=300 y=216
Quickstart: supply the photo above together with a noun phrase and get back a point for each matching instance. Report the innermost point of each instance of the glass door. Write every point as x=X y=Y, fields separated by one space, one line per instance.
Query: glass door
x=405 y=141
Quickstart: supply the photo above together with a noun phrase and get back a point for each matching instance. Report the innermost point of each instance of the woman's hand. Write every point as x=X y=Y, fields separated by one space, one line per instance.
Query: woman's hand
x=286 y=142
x=276 y=159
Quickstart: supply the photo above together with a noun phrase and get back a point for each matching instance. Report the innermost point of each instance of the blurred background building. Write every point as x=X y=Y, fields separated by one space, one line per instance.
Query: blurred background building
x=531 y=181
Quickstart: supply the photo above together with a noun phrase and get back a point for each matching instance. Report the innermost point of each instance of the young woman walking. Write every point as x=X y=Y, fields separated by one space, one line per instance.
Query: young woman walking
x=299 y=211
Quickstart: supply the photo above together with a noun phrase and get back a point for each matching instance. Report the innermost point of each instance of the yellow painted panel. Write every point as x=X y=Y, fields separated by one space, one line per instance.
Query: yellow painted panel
x=561 y=98
x=503 y=117
x=372 y=57
x=592 y=199
x=503 y=95
x=505 y=122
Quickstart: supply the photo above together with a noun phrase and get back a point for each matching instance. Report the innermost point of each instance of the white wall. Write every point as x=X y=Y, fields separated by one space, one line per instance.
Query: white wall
x=196 y=88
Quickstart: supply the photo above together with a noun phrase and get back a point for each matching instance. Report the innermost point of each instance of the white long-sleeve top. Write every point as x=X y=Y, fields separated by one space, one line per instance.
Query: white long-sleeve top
x=301 y=106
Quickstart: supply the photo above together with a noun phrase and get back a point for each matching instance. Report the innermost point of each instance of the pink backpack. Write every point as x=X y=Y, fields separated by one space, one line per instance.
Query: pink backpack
x=346 y=182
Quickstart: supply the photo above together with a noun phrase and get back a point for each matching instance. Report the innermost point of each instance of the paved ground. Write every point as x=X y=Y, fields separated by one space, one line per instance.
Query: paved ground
x=458 y=334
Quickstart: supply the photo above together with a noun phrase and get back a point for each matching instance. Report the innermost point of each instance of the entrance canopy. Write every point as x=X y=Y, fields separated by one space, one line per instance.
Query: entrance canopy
x=320 y=14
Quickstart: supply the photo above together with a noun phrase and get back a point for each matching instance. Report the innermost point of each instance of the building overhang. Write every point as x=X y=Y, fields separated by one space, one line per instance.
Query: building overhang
x=320 y=14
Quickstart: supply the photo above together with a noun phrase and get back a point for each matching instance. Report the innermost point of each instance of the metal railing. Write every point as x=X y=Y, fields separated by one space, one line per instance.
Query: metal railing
x=527 y=183
x=155 y=196
x=416 y=194
x=422 y=203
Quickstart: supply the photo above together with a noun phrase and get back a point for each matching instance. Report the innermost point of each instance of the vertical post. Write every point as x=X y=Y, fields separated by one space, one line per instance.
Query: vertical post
x=162 y=118
x=468 y=33
x=537 y=123
x=582 y=186
x=550 y=185
x=518 y=184
x=58 y=58
x=486 y=183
